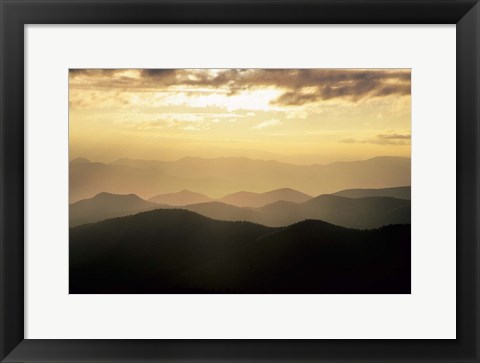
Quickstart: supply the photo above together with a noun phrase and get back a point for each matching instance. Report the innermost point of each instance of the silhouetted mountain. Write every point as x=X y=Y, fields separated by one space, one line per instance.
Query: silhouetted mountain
x=177 y=251
x=398 y=192
x=317 y=257
x=105 y=206
x=349 y=212
x=253 y=200
x=363 y=213
x=222 y=176
x=181 y=198
x=151 y=251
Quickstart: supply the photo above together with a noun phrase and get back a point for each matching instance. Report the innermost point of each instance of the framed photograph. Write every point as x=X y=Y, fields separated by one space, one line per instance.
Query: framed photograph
x=262 y=217
x=239 y=181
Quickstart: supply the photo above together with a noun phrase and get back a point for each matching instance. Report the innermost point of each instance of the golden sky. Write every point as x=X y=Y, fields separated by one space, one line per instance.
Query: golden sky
x=296 y=115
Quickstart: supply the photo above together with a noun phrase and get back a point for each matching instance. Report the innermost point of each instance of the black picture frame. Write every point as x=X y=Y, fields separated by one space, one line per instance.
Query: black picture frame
x=15 y=14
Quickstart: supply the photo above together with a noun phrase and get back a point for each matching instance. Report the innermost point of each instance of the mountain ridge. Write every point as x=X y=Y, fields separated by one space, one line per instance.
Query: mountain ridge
x=363 y=213
x=179 y=251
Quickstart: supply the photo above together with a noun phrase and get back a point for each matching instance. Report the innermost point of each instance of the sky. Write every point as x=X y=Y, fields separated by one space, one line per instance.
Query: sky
x=301 y=116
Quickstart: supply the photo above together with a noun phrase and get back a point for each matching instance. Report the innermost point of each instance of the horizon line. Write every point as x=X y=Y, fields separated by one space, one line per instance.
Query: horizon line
x=236 y=157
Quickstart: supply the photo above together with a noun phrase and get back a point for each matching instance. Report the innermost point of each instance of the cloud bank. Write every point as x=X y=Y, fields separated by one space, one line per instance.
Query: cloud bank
x=298 y=86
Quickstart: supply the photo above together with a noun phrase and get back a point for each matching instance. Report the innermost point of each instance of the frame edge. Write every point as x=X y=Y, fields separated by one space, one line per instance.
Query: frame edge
x=13 y=348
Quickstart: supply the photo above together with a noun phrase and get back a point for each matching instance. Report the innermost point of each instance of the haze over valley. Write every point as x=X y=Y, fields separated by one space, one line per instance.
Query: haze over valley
x=216 y=178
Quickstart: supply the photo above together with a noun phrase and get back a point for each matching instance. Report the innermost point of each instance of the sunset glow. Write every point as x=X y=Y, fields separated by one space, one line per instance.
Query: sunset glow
x=298 y=116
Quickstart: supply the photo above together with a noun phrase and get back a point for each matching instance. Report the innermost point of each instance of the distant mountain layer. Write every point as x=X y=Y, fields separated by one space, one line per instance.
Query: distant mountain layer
x=398 y=192
x=178 y=251
x=239 y=199
x=363 y=213
x=105 y=206
x=181 y=198
x=221 y=176
x=255 y=200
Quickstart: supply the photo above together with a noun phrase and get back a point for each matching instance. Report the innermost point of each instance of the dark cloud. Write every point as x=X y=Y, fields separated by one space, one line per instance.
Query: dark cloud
x=400 y=89
x=158 y=72
x=308 y=86
x=93 y=72
x=300 y=86
x=297 y=98
x=303 y=86
x=164 y=77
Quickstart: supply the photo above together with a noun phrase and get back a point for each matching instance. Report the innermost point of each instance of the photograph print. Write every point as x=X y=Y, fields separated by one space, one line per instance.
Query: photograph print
x=239 y=181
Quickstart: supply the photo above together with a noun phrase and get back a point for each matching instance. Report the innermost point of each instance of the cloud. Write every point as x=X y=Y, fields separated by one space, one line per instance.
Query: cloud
x=265 y=124
x=93 y=72
x=298 y=86
x=297 y=98
x=321 y=85
x=385 y=139
x=156 y=73
x=303 y=86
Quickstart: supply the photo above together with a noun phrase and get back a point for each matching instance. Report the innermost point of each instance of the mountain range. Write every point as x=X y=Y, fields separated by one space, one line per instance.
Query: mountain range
x=179 y=251
x=364 y=213
x=221 y=176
